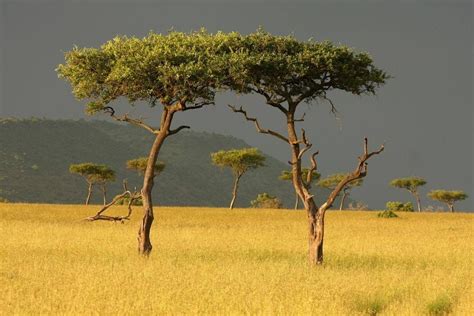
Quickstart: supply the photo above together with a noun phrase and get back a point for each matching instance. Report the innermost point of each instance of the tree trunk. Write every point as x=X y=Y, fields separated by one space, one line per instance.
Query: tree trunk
x=89 y=194
x=343 y=199
x=104 y=193
x=234 y=191
x=315 y=215
x=418 y=202
x=297 y=201
x=451 y=207
x=144 y=243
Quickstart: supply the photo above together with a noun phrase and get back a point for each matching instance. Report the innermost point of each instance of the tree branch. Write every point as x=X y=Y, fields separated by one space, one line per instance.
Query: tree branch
x=257 y=125
x=176 y=130
x=359 y=172
x=270 y=100
x=124 y=118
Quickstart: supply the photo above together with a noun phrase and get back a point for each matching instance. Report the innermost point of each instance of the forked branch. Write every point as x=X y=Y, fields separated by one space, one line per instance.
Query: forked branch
x=125 y=118
x=257 y=125
x=133 y=196
x=359 y=172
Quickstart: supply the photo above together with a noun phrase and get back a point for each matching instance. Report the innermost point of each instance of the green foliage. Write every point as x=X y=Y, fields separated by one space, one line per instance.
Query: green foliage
x=302 y=70
x=399 y=206
x=442 y=305
x=447 y=196
x=94 y=173
x=239 y=160
x=331 y=181
x=139 y=165
x=411 y=184
x=387 y=214
x=125 y=201
x=370 y=305
x=288 y=175
x=173 y=68
x=265 y=200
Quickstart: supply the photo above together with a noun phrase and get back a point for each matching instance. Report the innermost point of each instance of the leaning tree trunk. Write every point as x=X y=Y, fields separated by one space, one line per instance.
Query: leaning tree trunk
x=144 y=243
x=89 y=194
x=234 y=191
x=343 y=199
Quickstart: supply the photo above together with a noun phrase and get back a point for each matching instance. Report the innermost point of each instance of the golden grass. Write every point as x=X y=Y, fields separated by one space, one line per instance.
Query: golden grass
x=215 y=261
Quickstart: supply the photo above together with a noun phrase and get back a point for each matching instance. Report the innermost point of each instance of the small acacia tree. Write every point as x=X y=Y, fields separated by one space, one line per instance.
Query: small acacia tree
x=331 y=182
x=139 y=165
x=176 y=72
x=287 y=73
x=288 y=176
x=94 y=174
x=411 y=184
x=448 y=197
x=240 y=161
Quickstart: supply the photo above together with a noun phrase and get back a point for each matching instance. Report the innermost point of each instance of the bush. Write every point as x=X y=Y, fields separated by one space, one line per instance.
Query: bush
x=387 y=214
x=265 y=200
x=399 y=206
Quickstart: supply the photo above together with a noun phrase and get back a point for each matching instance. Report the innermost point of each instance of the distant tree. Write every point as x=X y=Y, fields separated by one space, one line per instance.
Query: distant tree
x=288 y=176
x=94 y=174
x=331 y=182
x=140 y=164
x=175 y=72
x=240 y=161
x=266 y=200
x=411 y=184
x=448 y=197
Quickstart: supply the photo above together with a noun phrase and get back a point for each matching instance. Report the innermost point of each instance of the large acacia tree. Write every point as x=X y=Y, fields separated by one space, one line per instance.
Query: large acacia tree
x=411 y=184
x=287 y=73
x=176 y=72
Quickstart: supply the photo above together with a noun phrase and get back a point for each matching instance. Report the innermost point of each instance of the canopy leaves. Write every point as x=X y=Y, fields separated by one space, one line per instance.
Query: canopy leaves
x=239 y=160
x=94 y=173
x=331 y=181
x=446 y=196
x=139 y=165
x=411 y=183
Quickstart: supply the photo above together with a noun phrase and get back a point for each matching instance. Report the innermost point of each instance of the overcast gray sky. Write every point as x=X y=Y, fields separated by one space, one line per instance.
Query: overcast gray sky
x=424 y=114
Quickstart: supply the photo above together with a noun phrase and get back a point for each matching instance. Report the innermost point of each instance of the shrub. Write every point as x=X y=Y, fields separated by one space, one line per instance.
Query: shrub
x=442 y=305
x=387 y=214
x=399 y=206
x=124 y=201
x=265 y=200
x=358 y=206
x=3 y=200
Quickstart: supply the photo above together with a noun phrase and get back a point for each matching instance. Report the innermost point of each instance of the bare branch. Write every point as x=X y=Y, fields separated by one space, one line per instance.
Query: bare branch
x=304 y=141
x=132 y=197
x=175 y=131
x=270 y=100
x=257 y=125
x=300 y=119
x=314 y=167
x=124 y=118
x=196 y=106
x=359 y=172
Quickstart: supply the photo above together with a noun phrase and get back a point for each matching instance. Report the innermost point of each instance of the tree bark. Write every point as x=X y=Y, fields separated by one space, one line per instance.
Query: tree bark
x=104 y=193
x=144 y=243
x=343 y=199
x=418 y=202
x=234 y=191
x=297 y=201
x=451 y=207
x=89 y=193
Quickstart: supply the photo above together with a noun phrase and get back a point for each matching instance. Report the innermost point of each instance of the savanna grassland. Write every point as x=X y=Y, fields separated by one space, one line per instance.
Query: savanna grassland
x=215 y=261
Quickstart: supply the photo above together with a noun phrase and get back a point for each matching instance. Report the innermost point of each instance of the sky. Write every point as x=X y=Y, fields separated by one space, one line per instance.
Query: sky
x=424 y=114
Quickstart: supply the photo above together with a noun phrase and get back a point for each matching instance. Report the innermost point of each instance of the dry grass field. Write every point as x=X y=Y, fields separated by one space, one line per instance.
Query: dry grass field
x=215 y=261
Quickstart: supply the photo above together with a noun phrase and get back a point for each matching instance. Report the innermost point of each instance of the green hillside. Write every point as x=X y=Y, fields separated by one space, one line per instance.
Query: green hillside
x=35 y=156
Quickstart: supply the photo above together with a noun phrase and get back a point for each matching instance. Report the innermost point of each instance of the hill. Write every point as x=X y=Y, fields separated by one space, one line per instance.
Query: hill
x=35 y=155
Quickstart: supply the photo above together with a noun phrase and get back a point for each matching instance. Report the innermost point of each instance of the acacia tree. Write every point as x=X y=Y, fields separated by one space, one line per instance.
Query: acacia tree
x=411 y=184
x=331 y=182
x=139 y=165
x=176 y=72
x=288 y=176
x=94 y=174
x=240 y=161
x=448 y=197
x=287 y=73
